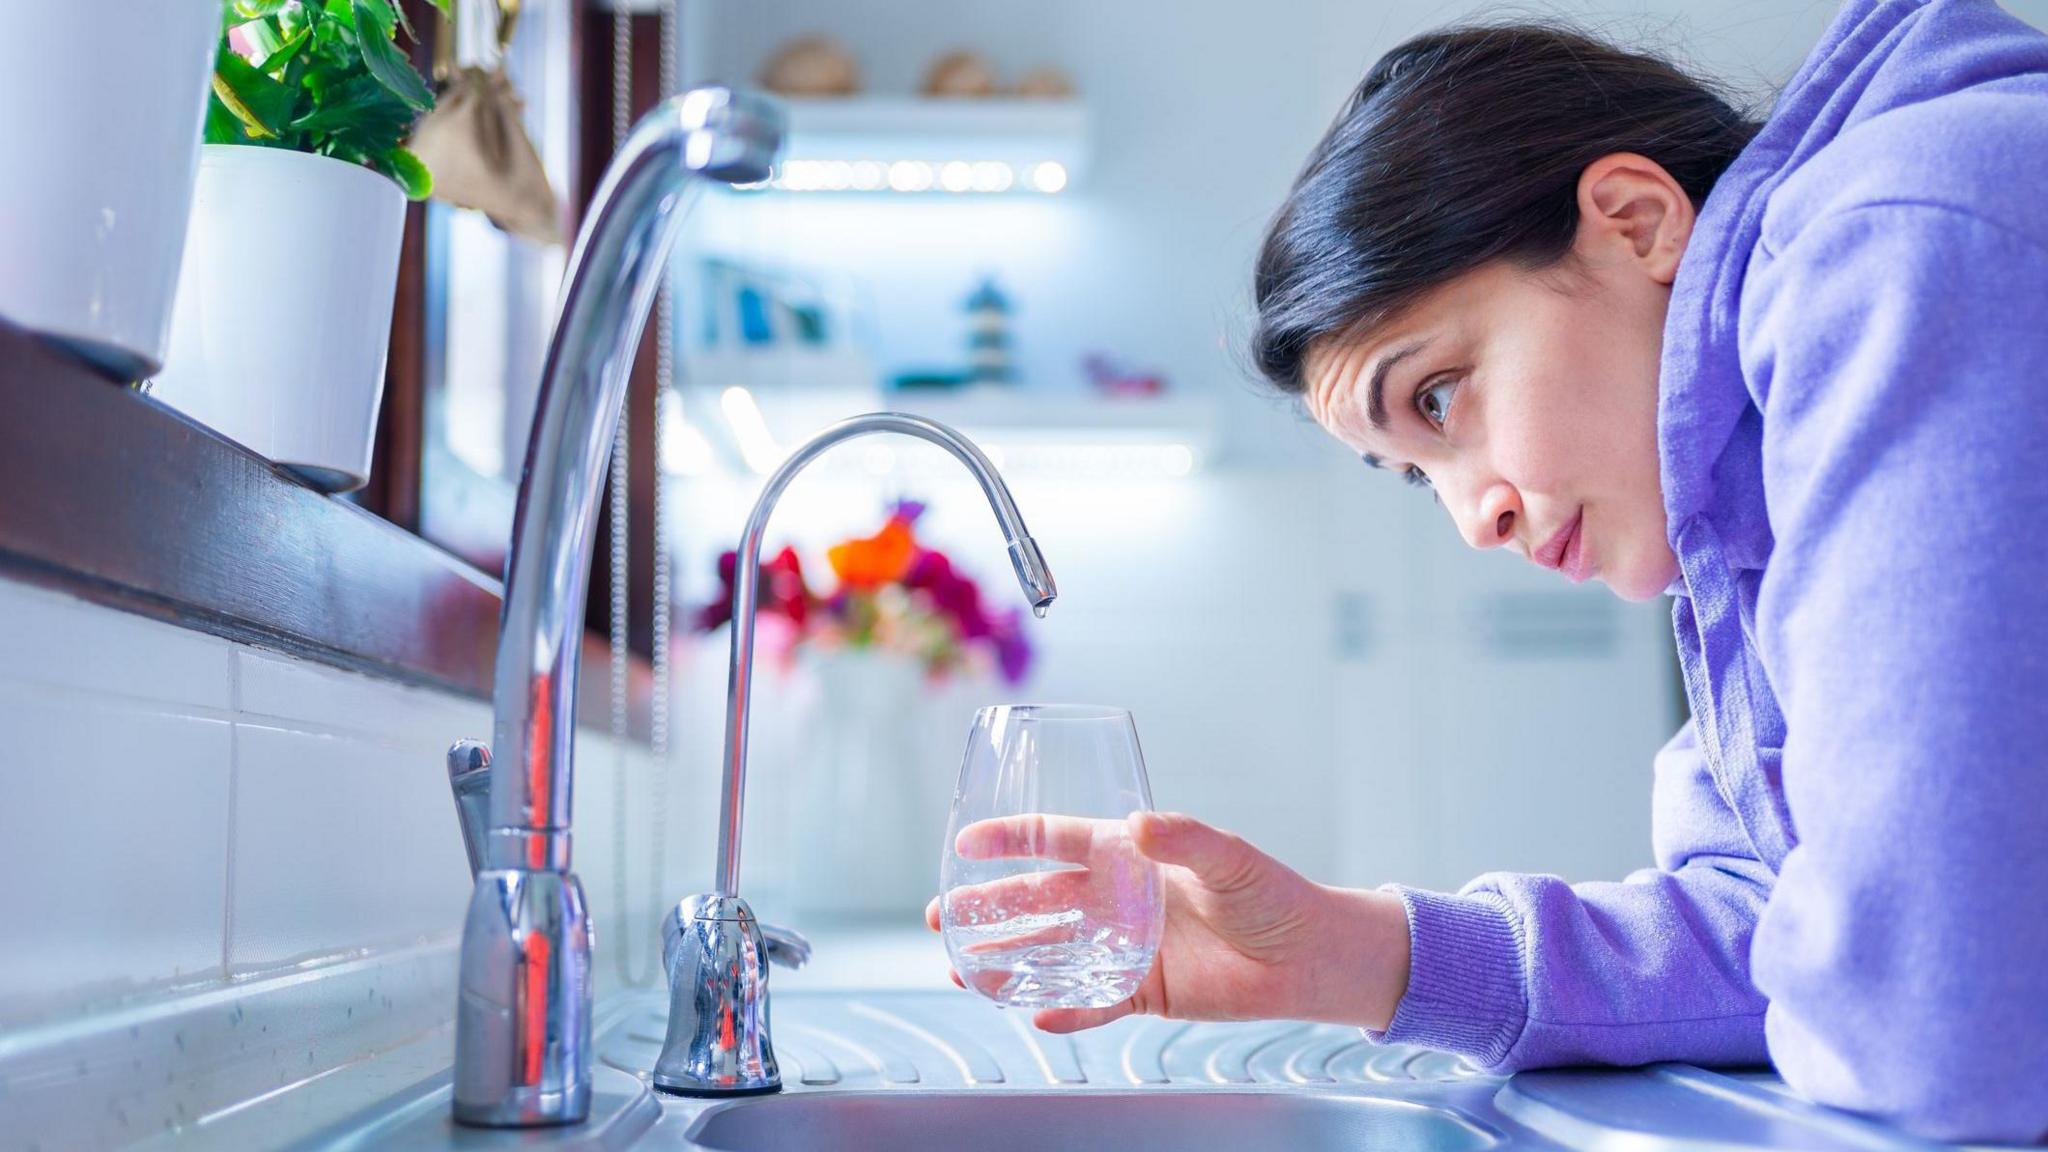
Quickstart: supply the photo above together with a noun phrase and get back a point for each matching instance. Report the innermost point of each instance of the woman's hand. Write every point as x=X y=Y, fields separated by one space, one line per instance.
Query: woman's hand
x=1245 y=936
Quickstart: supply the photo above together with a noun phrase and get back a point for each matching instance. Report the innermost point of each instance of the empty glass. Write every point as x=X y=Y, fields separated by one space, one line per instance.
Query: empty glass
x=1045 y=901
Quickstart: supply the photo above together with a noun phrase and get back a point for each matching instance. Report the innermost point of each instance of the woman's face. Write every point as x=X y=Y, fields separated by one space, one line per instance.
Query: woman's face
x=1528 y=401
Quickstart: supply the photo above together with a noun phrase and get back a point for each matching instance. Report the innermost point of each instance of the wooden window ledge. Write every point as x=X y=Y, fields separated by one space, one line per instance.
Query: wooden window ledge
x=110 y=495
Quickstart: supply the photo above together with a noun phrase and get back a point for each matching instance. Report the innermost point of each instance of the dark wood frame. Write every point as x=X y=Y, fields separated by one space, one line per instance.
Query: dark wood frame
x=594 y=152
x=396 y=474
x=394 y=488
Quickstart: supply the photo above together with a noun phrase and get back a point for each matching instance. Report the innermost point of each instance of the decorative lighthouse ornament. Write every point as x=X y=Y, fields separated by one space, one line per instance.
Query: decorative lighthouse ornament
x=988 y=336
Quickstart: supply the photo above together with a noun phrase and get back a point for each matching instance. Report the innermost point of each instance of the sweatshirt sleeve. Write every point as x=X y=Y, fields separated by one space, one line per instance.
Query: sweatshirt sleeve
x=1522 y=971
x=1902 y=355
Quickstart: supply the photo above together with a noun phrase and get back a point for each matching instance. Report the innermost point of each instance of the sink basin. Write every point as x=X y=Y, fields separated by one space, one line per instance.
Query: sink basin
x=1078 y=1121
x=914 y=1070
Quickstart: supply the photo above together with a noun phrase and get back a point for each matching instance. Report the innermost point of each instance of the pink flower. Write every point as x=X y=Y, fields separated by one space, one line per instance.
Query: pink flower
x=783 y=591
x=892 y=593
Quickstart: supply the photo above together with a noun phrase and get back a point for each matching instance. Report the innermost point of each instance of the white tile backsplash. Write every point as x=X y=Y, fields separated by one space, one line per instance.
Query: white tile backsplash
x=340 y=842
x=117 y=819
x=191 y=807
x=309 y=695
x=59 y=641
x=202 y=821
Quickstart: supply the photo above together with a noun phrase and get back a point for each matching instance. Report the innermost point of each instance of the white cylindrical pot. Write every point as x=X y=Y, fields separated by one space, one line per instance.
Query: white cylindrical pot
x=284 y=308
x=106 y=101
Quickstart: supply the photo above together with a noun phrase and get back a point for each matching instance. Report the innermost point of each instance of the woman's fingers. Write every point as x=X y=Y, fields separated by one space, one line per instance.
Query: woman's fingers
x=1061 y=1020
x=1028 y=893
x=1219 y=859
x=1035 y=836
x=931 y=914
x=1025 y=938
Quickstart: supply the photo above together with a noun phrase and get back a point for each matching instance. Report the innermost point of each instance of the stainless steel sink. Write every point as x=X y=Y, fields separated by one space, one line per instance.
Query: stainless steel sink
x=904 y=1070
x=1033 y=1121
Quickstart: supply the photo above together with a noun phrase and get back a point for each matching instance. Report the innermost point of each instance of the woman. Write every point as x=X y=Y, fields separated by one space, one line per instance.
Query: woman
x=1791 y=374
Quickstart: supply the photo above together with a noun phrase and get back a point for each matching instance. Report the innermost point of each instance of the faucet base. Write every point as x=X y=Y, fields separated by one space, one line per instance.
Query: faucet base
x=703 y=1093
x=528 y=1108
x=717 y=965
x=522 y=1024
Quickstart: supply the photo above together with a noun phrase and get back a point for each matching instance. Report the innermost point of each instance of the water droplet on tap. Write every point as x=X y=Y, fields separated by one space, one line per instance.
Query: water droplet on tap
x=1038 y=610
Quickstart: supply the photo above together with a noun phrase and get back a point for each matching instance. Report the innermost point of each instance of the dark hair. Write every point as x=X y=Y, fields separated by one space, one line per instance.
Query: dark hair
x=1461 y=147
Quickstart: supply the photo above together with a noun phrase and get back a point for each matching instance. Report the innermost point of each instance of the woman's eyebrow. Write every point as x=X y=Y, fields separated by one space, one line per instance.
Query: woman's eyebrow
x=1376 y=393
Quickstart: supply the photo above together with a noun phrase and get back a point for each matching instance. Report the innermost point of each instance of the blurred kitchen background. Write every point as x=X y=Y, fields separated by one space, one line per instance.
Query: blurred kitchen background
x=1036 y=222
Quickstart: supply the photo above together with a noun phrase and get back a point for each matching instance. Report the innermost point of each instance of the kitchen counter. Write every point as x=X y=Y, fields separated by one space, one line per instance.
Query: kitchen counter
x=911 y=1069
x=878 y=1051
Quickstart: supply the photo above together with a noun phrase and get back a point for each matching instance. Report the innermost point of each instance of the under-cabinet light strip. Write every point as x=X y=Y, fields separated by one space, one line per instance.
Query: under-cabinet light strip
x=1045 y=176
x=1042 y=459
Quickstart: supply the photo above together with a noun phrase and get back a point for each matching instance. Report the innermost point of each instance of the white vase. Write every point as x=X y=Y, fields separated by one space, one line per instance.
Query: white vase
x=284 y=308
x=873 y=778
x=105 y=105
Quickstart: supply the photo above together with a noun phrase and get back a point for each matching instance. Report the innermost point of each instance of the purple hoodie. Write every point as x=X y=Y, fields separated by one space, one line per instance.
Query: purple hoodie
x=1852 y=834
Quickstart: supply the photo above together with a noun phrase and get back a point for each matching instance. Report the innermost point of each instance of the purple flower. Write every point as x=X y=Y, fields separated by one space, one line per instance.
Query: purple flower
x=923 y=605
x=952 y=594
x=782 y=591
x=927 y=569
x=1013 y=651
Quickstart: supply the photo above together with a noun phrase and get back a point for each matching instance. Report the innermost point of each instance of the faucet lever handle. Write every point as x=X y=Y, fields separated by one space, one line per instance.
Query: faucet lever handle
x=469 y=777
x=785 y=946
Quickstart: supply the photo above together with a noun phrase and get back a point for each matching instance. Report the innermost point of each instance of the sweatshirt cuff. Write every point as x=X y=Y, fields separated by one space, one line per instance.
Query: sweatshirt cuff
x=1465 y=986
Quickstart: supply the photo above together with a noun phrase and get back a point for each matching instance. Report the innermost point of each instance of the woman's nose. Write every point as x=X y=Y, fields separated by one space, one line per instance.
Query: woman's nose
x=1492 y=524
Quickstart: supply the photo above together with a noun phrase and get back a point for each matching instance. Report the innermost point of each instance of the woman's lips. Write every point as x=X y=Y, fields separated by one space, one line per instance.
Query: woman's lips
x=1577 y=566
x=1566 y=551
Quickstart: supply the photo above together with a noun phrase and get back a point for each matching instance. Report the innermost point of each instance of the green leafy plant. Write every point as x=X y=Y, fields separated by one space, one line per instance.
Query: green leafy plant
x=321 y=76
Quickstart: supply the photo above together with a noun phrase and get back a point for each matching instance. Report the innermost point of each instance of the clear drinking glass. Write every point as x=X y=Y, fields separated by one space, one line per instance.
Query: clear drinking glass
x=1045 y=901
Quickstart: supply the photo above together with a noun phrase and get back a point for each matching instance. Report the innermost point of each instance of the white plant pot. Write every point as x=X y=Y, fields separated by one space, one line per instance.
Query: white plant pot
x=284 y=308
x=106 y=101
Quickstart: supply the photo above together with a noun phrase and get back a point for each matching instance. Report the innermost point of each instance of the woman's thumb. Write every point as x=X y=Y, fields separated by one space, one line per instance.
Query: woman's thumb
x=1218 y=858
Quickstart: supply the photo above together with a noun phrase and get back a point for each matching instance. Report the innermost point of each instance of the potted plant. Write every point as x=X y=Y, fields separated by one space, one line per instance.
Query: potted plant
x=283 y=315
x=96 y=183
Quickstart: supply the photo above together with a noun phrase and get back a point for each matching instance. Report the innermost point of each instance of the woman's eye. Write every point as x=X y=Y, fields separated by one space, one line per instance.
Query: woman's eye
x=1434 y=402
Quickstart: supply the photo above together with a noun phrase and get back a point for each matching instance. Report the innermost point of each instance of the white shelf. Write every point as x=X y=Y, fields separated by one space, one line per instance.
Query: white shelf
x=826 y=137
x=1030 y=431
x=933 y=121
x=1023 y=415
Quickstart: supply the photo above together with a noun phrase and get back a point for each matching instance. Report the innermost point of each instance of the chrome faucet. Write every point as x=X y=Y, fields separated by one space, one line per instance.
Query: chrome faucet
x=711 y=945
x=522 y=1025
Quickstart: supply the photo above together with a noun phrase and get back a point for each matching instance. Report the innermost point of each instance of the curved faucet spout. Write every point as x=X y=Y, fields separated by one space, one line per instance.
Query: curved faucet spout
x=522 y=1025
x=706 y=133
x=1032 y=576
x=715 y=952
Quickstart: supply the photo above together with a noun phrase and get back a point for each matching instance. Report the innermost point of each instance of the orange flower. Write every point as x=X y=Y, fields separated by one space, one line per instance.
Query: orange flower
x=883 y=558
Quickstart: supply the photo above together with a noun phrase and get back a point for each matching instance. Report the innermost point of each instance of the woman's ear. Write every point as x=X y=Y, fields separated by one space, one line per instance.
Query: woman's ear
x=1631 y=210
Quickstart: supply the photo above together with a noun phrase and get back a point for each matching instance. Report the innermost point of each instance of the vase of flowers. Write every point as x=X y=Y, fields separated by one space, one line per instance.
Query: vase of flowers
x=283 y=315
x=896 y=648
x=892 y=594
